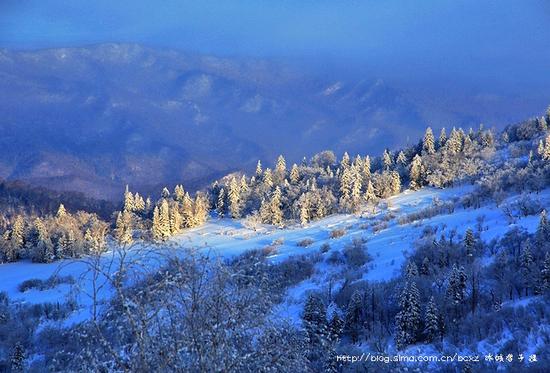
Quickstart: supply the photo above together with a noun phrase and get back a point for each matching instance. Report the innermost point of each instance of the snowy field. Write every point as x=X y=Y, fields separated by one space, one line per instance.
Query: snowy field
x=388 y=245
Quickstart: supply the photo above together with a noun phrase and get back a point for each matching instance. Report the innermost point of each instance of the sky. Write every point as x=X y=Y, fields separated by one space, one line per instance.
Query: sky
x=503 y=42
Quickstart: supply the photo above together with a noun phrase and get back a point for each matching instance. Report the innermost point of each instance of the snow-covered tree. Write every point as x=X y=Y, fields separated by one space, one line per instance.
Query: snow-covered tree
x=17 y=361
x=442 y=138
x=469 y=242
x=428 y=143
x=123 y=228
x=294 y=174
x=432 y=321
x=234 y=197
x=175 y=218
x=353 y=319
x=259 y=170
x=220 y=203
x=268 y=178
x=395 y=183
x=280 y=169
x=407 y=320
x=456 y=291
x=61 y=212
x=276 y=208
x=387 y=160
x=415 y=174
x=345 y=162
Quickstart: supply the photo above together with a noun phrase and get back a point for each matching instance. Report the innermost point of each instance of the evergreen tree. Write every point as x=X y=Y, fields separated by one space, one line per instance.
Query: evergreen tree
x=165 y=193
x=18 y=358
x=540 y=148
x=456 y=290
x=175 y=221
x=345 y=162
x=442 y=138
x=542 y=124
x=305 y=206
x=346 y=183
x=315 y=324
x=18 y=233
x=294 y=174
x=139 y=203
x=244 y=187
x=545 y=273
x=280 y=169
x=454 y=143
x=425 y=267
x=200 y=211
x=276 y=210
x=386 y=160
x=353 y=320
x=61 y=212
x=395 y=183
x=179 y=193
x=401 y=159
x=259 y=170
x=129 y=204
x=431 y=321
x=187 y=208
x=469 y=242
x=526 y=267
x=220 y=203
x=411 y=271
x=543 y=229
x=366 y=170
x=416 y=173
x=407 y=320
x=357 y=183
x=235 y=198
x=123 y=228
x=428 y=144
x=370 y=196
x=546 y=152
x=268 y=178
x=161 y=221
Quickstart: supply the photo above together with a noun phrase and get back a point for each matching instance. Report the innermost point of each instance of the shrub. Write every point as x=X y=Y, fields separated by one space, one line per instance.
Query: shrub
x=337 y=233
x=356 y=253
x=305 y=242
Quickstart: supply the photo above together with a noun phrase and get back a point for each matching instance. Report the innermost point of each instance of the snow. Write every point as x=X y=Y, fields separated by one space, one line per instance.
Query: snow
x=225 y=238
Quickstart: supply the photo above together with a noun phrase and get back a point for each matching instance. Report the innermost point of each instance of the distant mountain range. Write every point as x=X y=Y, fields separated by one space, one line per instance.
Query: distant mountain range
x=93 y=119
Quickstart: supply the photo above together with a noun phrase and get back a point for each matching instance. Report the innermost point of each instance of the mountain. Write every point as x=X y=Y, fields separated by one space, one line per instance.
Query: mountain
x=92 y=119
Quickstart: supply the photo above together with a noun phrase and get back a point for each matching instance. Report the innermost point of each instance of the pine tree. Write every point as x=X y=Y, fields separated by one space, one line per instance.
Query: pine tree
x=244 y=187
x=175 y=218
x=386 y=159
x=200 y=211
x=129 y=204
x=315 y=324
x=18 y=358
x=61 y=212
x=545 y=273
x=161 y=221
x=411 y=271
x=546 y=152
x=431 y=321
x=366 y=169
x=357 y=183
x=268 y=178
x=294 y=174
x=395 y=183
x=179 y=193
x=416 y=173
x=259 y=170
x=425 y=267
x=345 y=162
x=280 y=169
x=305 y=206
x=456 y=290
x=18 y=232
x=123 y=228
x=526 y=268
x=469 y=242
x=401 y=159
x=139 y=203
x=442 y=138
x=542 y=125
x=540 y=148
x=370 y=196
x=428 y=144
x=407 y=320
x=543 y=229
x=43 y=247
x=275 y=206
x=346 y=182
x=235 y=199
x=165 y=193
x=187 y=211
x=220 y=203
x=454 y=143
x=353 y=320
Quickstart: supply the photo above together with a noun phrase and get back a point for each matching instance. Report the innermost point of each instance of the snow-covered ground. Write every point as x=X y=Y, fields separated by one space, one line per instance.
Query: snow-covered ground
x=387 y=244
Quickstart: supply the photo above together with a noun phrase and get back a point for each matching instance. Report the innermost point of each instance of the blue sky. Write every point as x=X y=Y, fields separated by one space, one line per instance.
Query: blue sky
x=494 y=40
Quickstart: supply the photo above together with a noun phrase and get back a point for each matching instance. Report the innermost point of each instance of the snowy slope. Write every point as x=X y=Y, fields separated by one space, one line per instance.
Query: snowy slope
x=225 y=238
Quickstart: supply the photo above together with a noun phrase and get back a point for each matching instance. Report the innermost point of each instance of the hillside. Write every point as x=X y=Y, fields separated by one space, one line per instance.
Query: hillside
x=443 y=251
x=94 y=119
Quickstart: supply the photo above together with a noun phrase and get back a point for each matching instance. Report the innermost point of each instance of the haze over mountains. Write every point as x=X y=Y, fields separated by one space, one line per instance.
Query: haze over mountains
x=95 y=118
